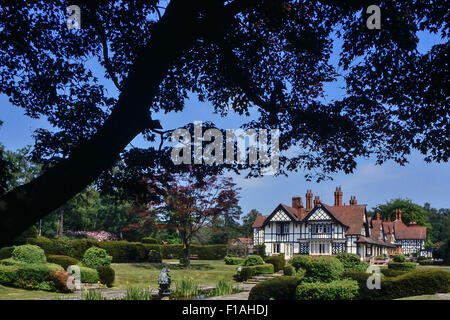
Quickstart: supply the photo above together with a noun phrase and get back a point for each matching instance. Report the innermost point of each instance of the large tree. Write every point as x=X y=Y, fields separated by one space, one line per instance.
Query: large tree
x=270 y=56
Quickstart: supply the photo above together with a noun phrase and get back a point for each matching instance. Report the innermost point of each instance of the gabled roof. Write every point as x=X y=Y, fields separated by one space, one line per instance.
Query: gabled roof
x=328 y=211
x=352 y=216
x=371 y=240
x=259 y=221
x=291 y=213
x=404 y=232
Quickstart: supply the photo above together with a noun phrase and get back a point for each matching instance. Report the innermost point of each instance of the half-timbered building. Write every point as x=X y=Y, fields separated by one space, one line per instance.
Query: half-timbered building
x=320 y=229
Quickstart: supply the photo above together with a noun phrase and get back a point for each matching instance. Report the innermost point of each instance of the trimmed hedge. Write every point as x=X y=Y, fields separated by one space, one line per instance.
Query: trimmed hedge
x=94 y=257
x=413 y=283
x=233 y=260
x=404 y=266
x=251 y=271
x=53 y=246
x=398 y=258
x=89 y=275
x=29 y=254
x=351 y=261
x=278 y=262
x=300 y=261
x=6 y=252
x=253 y=260
x=279 y=288
x=106 y=275
x=426 y=262
x=335 y=290
x=392 y=273
x=149 y=240
x=289 y=270
x=79 y=247
x=154 y=256
x=323 y=269
x=124 y=251
x=63 y=261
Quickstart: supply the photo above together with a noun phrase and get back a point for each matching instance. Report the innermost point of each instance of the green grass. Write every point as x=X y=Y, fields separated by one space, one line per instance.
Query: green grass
x=423 y=297
x=8 y=293
x=144 y=275
x=443 y=268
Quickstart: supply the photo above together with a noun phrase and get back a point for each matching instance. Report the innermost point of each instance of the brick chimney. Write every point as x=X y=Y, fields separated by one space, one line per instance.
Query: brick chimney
x=353 y=201
x=398 y=214
x=297 y=204
x=316 y=200
x=309 y=200
x=338 y=197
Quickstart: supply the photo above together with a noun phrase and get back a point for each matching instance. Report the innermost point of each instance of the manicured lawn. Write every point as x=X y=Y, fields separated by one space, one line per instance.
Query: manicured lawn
x=423 y=297
x=202 y=272
x=142 y=275
x=444 y=268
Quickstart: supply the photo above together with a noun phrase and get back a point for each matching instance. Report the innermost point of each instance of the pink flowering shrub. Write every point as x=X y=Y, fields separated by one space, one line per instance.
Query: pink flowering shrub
x=98 y=235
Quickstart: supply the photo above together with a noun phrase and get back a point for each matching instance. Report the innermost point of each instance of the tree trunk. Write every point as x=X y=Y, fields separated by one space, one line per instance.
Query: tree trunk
x=187 y=253
x=25 y=205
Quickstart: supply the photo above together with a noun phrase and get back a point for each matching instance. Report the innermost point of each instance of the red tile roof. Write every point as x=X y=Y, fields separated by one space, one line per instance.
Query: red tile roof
x=351 y=216
x=404 y=232
x=293 y=212
x=245 y=240
x=259 y=221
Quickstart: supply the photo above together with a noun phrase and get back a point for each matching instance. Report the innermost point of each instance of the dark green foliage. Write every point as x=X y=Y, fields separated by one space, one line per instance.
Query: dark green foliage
x=94 y=257
x=335 y=290
x=233 y=260
x=63 y=261
x=405 y=266
x=392 y=273
x=426 y=262
x=53 y=246
x=149 y=240
x=278 y=262
x=31 y=232
x=6 y=252
x=29 y=254
x=289 y=270
x=88 y=275
x=399 y=258
x=79 y=247
x=172 y=251
x=323 y=269
x=8 y=274
x=300 y=261
x=124 y=251
x=106 y=275
x=253 y=260
x=279 y=288
x=210 y=252
x=154 y=256
x=351 y=261
x=35 y=275
x=251 y=271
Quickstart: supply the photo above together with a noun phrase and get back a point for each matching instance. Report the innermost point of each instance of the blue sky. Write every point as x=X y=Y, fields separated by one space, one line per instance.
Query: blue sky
x=372 y=185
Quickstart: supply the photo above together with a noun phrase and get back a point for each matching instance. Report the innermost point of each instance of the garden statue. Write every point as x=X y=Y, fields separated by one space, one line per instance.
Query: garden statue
x=164 y=281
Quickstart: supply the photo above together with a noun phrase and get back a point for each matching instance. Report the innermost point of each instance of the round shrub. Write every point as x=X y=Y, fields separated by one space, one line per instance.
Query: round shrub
x=29 y=254
x=399 y=258
x=352 y=261
x=94 y=257
x=88 y=275
x=289 y=270
x=63 y=261
x=6 y=252
x=405 y=266
x=149 y=240
x=251 y=271
x=154 y=256
x=323 y=269
x=233 y=260
x=278 y=262
x=335 y=290
x=300 y=261
x=106 y=275
x=253 y=260
x=279 y=288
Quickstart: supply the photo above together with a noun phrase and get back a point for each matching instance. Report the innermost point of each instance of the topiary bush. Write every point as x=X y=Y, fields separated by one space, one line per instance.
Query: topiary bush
x=63 y=261
x=94 y=257
x=106 y=275
x=251 y=271
x=88 y=275
x=279 y=288
x=124 y=251
x=399 y=258
x=392 y=273
x=352 y=261
x=6 y=252
x=300 y=261
x=8 y=274
x=154 y=256
x=253 y=260
x=35 y=276
x=278 y=262
x=335 y=290
x=53 y=246
x=289 y=270
x=58 y=278
x=79 y=247
x=323 y=269
x=29 y=254
x=404 y=266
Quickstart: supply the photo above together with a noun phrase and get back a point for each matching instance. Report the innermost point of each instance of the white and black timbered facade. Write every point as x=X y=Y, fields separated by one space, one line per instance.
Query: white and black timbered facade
x=320 y=229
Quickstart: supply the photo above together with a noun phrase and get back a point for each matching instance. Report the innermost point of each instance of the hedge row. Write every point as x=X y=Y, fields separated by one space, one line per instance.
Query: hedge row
x=278 y=262
x=279 y=288
x=124 y=251
x=413 y=283
x=335 y=290
x=404 y=266
x=233 y=260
